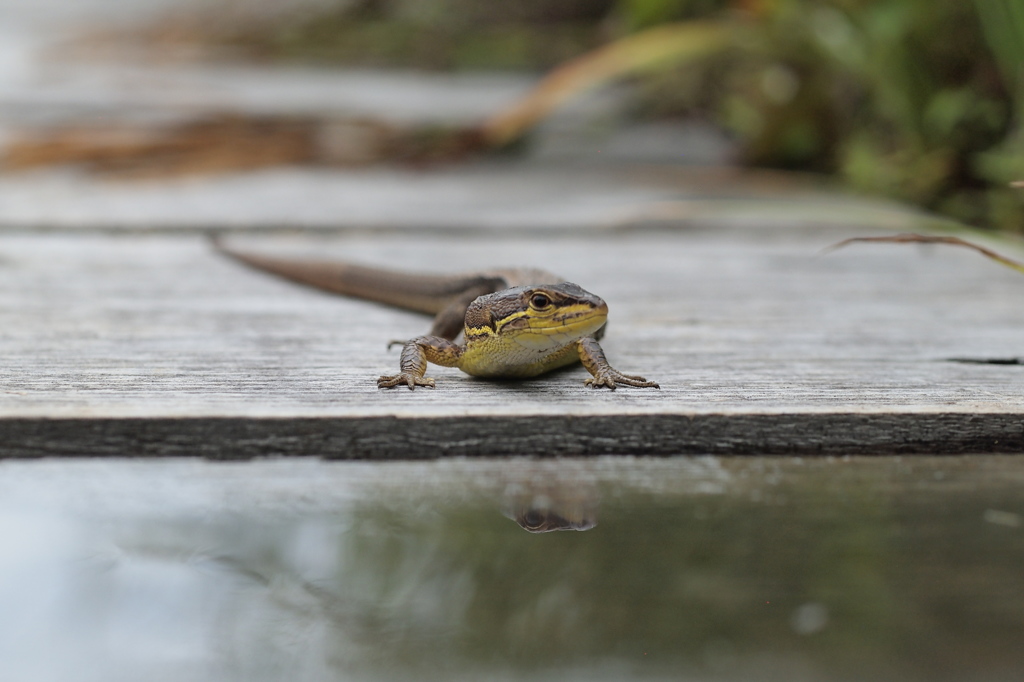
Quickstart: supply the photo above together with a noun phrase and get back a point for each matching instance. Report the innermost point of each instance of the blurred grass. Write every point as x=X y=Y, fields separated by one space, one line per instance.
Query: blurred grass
x=428 y=34
x=651 y=49
x=383 y=43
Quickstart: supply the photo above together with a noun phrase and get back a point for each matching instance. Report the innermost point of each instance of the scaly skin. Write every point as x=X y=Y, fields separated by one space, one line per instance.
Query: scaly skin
x=517 y=323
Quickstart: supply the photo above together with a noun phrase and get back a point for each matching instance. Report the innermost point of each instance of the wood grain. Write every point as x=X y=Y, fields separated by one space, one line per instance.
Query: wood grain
x=145 y=345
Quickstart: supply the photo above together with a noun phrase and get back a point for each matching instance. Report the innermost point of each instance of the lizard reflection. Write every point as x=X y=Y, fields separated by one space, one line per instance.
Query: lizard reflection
x=560 y=505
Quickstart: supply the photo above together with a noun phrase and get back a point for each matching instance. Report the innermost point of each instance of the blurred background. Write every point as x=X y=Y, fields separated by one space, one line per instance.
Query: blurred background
x=488 y=114
x=916 y=100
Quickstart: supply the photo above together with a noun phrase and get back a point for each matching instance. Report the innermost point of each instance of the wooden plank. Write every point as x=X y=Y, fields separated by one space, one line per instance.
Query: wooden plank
x=523 y=195
x=410 y=437
x=156 y=345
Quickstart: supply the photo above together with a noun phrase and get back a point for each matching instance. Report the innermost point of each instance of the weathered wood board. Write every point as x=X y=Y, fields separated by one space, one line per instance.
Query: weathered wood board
x=141 y=344
x=486 y=196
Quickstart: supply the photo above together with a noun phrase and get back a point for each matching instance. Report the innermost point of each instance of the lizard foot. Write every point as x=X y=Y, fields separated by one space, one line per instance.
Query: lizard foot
x=609 y=378
x=407 y=378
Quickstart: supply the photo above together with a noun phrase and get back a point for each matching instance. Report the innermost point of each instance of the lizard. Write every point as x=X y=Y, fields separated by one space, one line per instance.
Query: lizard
x=516 y=323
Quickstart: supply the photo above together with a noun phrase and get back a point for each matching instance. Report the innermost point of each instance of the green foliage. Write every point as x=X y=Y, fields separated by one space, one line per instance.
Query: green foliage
x=407 y=43
x=915 y=99
x=639 y=14
x=432 y=34
x=1003 y=25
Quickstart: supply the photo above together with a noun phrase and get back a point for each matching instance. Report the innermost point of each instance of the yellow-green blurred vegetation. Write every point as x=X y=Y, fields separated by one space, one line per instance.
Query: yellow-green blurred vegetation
x=919 y=100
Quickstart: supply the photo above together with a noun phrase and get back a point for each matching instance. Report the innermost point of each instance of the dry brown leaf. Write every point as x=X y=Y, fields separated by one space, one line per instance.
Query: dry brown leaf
x=672 y=42
x=222 y=143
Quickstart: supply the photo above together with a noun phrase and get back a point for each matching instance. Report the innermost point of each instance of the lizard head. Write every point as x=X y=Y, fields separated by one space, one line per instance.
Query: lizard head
x=537 y=316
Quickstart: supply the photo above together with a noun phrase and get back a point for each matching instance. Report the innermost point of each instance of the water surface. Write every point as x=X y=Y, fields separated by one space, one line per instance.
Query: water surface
x=685 y=569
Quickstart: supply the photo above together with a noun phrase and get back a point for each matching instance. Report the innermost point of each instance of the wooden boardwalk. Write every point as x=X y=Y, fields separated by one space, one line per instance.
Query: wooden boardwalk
x=123 y=333
x=138 y=344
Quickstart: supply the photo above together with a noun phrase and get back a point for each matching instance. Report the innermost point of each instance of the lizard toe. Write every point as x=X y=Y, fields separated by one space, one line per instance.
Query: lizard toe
x=410 y=380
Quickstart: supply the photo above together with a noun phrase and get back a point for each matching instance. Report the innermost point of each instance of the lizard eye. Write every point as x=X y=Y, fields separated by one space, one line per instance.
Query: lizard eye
x=540 y=301
x=532 y=520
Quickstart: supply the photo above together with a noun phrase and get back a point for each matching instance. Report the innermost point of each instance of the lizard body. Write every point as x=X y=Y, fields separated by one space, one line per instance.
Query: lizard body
x=516 y=322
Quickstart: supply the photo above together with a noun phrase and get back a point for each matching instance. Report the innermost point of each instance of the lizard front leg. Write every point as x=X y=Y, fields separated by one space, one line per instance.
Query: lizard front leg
x=592 y=357
x=415 y=356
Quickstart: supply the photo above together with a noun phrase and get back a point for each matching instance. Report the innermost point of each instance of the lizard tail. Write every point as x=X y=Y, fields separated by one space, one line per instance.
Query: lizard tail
x=419 y=292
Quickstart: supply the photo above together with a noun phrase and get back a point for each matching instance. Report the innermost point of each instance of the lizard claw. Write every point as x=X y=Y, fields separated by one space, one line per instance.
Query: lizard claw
x=410 y=380
x=610 y=378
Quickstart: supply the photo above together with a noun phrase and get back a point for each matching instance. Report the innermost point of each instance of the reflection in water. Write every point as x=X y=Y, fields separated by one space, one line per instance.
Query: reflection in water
x=556 y=502
x=701 y=569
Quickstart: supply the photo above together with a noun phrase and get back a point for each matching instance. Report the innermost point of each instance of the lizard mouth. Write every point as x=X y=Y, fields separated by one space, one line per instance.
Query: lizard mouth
x=545 y=329
x=589 y=316
x=583 y=326
x=552 y=332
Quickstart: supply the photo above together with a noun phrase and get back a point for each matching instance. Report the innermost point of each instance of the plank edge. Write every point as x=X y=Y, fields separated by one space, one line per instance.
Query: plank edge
x=395 y=438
